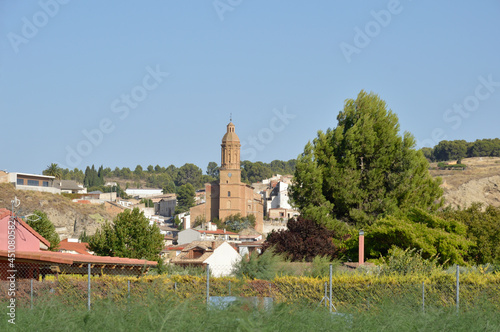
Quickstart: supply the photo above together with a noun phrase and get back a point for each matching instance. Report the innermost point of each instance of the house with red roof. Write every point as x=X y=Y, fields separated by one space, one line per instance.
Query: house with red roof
x=220 y=256
x=24 y=252
x=74 y=246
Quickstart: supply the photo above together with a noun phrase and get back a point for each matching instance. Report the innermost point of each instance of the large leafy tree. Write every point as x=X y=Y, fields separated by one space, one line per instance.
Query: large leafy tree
x=41 y=223
x=362 y=169
x=130 y=236
x=303 y=240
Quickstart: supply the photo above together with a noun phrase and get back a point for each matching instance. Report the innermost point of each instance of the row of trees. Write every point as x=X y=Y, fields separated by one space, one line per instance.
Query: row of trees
x=170 y=178
x=459 y=149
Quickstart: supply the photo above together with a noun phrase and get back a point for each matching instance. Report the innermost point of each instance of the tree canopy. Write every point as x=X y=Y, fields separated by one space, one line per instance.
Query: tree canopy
x=185 y=198
x=303 y=240
x=362 y=168
x=41 y=223
x=129 y=236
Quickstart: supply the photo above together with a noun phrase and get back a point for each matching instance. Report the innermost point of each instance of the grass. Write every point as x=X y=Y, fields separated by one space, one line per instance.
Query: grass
x=169 y=314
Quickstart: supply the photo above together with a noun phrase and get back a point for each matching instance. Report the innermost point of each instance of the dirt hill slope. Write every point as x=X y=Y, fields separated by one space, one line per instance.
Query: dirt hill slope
x=70 y=219
x=480 y=182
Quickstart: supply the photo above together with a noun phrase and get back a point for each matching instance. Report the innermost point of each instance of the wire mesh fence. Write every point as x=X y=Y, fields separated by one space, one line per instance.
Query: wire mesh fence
x=80 y=289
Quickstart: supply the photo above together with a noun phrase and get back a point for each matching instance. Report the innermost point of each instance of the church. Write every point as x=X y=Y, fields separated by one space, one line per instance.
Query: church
x=229 y=195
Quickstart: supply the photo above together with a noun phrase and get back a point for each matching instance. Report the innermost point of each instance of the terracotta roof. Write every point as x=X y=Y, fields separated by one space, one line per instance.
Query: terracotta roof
x=79 y=247
x=4 y=213
x=66 y=258
x=182 y=258
x=219 y=231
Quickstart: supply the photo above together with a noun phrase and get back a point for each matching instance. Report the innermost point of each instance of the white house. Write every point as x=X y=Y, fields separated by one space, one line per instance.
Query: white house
x=220 y=256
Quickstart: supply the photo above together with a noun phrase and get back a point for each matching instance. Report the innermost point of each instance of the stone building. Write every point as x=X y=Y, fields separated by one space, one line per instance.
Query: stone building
x=229 y=195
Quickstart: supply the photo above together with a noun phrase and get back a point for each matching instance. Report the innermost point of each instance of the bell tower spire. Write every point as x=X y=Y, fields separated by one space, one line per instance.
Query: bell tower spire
x=230 y=154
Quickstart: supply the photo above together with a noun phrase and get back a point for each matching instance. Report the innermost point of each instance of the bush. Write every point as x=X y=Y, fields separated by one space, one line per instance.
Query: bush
x=264 y=266
x=409 y=261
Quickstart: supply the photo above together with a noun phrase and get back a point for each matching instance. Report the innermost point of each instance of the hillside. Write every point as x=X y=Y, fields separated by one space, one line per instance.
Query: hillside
x=70 y=219
x=480 y=182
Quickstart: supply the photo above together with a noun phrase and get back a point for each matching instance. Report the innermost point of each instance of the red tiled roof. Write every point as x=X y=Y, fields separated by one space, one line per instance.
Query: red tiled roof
x=4 y=213
x=79 y=247
x=219 y=231
x=66 y=258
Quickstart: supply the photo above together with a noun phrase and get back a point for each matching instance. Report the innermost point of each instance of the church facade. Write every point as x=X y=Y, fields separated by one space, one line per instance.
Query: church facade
x=229 y=196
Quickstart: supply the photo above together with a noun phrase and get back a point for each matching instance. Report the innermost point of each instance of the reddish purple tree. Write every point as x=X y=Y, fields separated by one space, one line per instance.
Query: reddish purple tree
x=304 y=239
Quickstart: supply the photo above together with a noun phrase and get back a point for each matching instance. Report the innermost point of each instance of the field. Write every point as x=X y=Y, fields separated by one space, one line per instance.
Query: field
x=174 y=315
x=177 y=303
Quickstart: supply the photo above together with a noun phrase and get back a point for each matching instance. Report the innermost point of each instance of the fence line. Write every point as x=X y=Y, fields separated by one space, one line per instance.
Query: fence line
x=92 y=287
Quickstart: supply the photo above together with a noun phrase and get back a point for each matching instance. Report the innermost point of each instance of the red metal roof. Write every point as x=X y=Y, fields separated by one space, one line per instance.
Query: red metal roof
x=66 y=258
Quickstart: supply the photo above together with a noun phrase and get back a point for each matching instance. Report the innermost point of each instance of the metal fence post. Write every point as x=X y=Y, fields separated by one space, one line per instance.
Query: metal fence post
x=128 y=289
x=229 y=287
x=208 y=282
x=88 y=282
x=175 y=286
x=31 y=295
x=458 y=287
x=423 y=296
x=330 y=303
x=325 y=297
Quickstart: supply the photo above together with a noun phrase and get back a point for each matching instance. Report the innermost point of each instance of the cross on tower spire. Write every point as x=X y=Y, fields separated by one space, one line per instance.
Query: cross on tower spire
x=230 y=117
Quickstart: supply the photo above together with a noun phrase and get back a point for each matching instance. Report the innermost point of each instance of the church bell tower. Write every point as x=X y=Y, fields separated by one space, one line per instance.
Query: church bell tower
x=230 y=172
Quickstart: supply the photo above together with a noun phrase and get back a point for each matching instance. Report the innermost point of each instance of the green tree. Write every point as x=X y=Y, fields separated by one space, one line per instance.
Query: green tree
x=362 y=169
x=189 y=173
x=483 y=227
x=431 y=235
x=236 y=223
x=129 y=236
x=53 y=170
x=169 y=187
x=41 y=223
x=185 y=198
x=213 y=169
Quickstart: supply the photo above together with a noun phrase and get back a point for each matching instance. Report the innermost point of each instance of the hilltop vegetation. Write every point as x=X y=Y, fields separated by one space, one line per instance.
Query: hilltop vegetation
x=459 y=149
x=169 y=178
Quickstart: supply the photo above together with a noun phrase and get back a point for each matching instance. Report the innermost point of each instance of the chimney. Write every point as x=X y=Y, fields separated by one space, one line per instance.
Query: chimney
x=213 y=245
x=361 y=259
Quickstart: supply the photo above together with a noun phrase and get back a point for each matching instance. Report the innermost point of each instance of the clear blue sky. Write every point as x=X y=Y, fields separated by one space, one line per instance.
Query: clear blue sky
x=101 y=66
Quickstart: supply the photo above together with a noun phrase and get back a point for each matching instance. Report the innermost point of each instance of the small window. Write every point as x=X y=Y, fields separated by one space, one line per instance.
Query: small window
x=20 y=182
x=45 y=183
x=228 y=194
x=33 y=183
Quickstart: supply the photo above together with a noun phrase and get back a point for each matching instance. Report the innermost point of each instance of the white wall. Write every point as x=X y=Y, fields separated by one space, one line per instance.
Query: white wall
x=223 y=260
x=188 y=236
